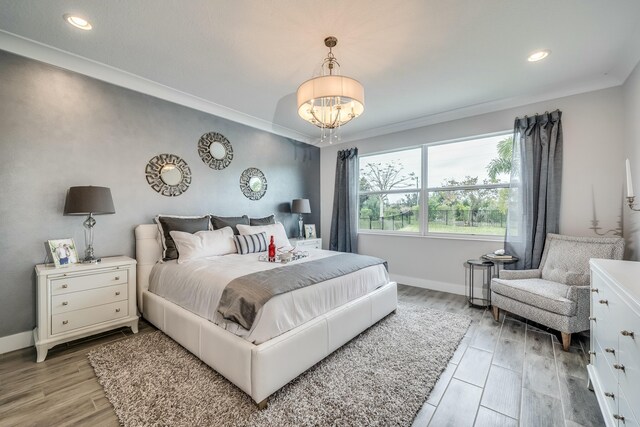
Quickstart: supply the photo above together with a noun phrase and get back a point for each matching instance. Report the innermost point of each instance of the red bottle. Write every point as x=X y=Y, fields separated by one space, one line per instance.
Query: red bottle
x=272 y=250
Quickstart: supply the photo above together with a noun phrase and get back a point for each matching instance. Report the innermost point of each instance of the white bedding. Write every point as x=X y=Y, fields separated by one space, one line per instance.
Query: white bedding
x=197 y=286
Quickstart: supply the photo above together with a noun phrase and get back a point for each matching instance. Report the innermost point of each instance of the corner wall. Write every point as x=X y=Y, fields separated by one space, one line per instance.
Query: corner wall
x=593 y=173
x=60 y=129
x=631 y=101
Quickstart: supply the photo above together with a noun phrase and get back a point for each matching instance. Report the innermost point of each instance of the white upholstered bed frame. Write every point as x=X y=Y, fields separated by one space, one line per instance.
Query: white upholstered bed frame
x=258 y=370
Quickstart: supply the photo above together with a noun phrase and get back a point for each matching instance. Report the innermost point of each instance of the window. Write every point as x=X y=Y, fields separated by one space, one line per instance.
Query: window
x=465 y=188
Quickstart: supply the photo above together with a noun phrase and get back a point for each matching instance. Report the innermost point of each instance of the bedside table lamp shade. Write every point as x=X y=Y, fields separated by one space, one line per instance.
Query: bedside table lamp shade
x=300 y=206
x=89 y=201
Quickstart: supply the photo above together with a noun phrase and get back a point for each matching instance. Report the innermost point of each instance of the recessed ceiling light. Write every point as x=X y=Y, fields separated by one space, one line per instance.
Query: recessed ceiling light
x=77 y=21
x=538 y=55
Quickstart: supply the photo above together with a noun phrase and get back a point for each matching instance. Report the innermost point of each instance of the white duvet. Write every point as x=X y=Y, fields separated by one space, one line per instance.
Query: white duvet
x=197 y=286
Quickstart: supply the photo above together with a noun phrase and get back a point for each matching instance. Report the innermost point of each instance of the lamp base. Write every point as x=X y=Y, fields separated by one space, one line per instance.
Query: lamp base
x=91 y=260
x=300 y=226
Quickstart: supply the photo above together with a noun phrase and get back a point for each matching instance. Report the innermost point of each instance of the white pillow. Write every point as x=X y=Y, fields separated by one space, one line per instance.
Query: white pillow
x=276 y=230
x=203 y=243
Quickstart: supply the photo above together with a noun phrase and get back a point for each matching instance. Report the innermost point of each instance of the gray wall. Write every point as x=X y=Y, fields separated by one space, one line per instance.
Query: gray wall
x=60 y=129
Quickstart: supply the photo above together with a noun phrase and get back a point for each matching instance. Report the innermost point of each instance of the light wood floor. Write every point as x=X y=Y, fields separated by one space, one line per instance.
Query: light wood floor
x=502 y=372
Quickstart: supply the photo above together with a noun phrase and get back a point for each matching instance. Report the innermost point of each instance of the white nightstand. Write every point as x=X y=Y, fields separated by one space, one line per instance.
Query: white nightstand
x=303 y=244
x=84 y=299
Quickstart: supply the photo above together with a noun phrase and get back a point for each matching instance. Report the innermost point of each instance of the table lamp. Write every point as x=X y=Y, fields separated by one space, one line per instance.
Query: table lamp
x=300 y=206
x=89 y=201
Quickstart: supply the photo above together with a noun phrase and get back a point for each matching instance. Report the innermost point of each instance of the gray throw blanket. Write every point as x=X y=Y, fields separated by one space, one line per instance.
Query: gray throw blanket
x=244 y=296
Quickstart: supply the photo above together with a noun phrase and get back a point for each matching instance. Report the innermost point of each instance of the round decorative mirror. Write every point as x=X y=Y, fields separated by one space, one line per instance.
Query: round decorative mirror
x=168 y=174
x=253 y=183
x=215 y=150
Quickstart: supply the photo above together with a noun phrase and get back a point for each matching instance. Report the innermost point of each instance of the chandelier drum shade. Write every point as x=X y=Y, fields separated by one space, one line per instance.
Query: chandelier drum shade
x=330 y=100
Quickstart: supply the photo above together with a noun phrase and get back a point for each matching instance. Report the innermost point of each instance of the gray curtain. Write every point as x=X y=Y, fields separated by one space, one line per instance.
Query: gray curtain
x=344 y=224
x=534 y=193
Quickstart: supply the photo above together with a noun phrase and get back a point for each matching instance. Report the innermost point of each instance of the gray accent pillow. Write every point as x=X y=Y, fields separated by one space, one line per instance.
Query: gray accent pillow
x=219 y=222
x=271 y=219
x=187 y=225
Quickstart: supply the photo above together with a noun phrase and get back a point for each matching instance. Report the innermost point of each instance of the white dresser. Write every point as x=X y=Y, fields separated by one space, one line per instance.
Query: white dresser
x=84 y=299
x=304 y=244
x=615 y=340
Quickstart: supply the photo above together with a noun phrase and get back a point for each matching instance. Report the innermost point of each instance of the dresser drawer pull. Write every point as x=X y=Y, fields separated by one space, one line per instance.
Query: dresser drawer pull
x=627 y=334
x=618 y=366
x=611 y=395
x=118 y=293
x=592 y=353
x=619 y=417
x=594 y=290
x=610 y=350
x=64 y=322
x=65 y=286
x=117 y=278
x=604 y=301
x=65 y=302
x=592 y=317
x=117 y=310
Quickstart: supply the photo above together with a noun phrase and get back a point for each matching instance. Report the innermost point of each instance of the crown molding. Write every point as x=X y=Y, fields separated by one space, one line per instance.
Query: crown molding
x=41 y=52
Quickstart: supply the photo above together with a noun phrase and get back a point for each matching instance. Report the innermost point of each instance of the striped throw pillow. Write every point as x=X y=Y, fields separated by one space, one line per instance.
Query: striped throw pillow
x=251 y=243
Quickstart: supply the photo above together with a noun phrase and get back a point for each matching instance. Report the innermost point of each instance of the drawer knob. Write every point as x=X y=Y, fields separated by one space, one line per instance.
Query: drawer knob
x=619 y=417
x=627 y=334
x=592 y=317
x=65 y=286
x=604 y=301
x=618 y=366
x=118 y=293
x=65 y=303
x=592 y=353
x=64 y=322
x=117 y=310
x=594 y=290
x=611 y=395
x=117 y=278
x=610 y=350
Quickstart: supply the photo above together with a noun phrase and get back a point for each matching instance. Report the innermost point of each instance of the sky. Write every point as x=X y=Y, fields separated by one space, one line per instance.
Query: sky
x=453 y=160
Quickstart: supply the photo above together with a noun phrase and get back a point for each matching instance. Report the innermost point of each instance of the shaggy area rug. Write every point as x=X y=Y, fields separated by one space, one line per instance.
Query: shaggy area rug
x=380 y=378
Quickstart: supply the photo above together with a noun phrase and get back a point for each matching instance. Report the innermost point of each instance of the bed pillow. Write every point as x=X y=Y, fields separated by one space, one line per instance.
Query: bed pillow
x=271 y=219
x=203 y=244
x=251 y=243
x=228 y=221
x=276 y=230
x=167 y=224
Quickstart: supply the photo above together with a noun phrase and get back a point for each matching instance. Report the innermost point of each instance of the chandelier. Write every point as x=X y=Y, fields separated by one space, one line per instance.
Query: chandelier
x=330 y=100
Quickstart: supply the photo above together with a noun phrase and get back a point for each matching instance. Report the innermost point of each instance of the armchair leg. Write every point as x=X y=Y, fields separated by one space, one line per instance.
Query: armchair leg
x=496 y=313
x=566 y=341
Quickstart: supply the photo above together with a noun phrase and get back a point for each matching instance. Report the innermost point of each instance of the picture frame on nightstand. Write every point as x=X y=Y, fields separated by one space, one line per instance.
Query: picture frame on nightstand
x=63 y=252
x=309 y=231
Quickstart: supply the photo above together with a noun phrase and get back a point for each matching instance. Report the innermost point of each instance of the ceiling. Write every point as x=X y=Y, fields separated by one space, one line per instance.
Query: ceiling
x=420 y=61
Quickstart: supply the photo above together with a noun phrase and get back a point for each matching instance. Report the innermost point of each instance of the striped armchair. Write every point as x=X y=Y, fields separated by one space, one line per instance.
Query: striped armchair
x=557 y=293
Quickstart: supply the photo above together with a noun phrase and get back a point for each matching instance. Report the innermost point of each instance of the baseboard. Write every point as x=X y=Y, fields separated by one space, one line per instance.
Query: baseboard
x=16 y=342
x=452 y=288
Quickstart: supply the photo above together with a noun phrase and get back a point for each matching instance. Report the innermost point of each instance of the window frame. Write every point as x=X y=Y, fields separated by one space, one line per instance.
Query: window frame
x=425 y=189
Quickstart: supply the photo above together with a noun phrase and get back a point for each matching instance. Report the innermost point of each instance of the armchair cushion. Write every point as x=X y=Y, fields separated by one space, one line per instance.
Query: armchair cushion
x=566 y=258
x=540 y=293
x=519 y=274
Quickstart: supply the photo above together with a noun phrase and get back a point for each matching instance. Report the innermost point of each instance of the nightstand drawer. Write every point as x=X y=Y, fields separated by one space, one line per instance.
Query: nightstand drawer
x=78 y=300
x=64 y=322
x=304 y=244
x=65 y=285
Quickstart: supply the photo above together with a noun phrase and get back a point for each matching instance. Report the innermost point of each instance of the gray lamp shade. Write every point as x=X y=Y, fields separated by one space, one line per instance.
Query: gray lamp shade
x=300 y=206
x=89 y=200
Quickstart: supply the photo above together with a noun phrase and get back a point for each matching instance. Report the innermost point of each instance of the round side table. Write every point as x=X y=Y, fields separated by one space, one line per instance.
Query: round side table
x=499 y=264
x=486 y=267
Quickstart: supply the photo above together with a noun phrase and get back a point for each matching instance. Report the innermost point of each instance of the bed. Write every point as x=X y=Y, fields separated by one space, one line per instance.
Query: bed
x=259 y=363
